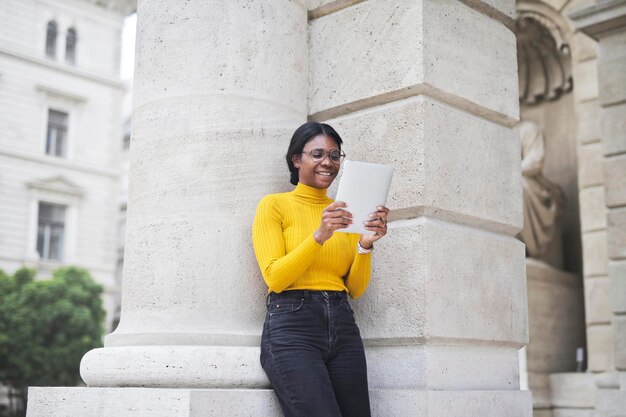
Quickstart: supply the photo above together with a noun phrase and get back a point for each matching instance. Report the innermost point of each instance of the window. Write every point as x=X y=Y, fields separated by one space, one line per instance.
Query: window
x=50 y=232
x=56 y=137
x=70 y=46
x=51 y=39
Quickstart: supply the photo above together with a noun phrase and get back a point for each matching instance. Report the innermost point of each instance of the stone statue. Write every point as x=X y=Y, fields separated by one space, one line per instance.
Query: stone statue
x=543 y=201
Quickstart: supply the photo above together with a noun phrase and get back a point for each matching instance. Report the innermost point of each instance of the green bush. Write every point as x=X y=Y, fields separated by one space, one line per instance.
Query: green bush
x=46 y=326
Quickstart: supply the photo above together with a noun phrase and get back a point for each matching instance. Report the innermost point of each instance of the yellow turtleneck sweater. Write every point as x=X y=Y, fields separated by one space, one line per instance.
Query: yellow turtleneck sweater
x=289 y=257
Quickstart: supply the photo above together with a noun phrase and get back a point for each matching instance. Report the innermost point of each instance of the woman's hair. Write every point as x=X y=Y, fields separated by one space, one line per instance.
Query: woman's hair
x=301 y=136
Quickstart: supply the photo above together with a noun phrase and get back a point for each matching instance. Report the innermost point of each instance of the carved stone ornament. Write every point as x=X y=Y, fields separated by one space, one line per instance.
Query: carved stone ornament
x=543 y=58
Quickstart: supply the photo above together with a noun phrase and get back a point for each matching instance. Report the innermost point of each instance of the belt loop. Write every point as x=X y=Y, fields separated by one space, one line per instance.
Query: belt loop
x=307 y=296
x=267 y=299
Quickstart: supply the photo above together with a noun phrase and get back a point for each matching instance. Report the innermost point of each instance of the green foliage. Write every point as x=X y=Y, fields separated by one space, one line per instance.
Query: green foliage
x=46 y=326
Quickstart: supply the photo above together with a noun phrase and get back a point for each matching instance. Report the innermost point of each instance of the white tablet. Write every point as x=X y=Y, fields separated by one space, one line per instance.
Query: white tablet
x=363 y=187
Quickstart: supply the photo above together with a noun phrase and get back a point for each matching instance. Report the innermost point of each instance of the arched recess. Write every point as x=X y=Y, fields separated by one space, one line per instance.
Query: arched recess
x=546 y=97
x=546 y=64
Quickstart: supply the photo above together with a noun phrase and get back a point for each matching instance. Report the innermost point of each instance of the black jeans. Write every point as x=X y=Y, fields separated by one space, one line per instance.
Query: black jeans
x=312 y=353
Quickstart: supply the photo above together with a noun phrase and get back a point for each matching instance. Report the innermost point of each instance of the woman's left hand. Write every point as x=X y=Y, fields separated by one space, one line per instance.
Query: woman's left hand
x=377 y=224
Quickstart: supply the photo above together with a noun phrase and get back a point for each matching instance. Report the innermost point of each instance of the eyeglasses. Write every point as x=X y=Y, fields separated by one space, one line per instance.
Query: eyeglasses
x=336 y=156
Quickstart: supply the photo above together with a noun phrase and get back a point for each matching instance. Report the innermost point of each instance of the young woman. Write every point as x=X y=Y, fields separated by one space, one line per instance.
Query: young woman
x=311 y=348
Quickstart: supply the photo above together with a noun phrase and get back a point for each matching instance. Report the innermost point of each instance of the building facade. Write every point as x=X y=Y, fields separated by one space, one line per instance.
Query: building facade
x=60 y=112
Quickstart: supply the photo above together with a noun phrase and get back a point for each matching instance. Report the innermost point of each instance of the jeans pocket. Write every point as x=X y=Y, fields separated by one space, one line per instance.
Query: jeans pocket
x=279 y=309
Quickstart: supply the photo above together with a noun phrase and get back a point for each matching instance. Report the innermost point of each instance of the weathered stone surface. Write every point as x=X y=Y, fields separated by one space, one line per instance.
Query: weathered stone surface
x=555 y=318
x=616 y=232
x=615 y=185
x=617 y=282
x=597 y=308
x=442 y=367
x=589 y=121
x=236 y=84
x=586 y=80
x=150 y=402
x=590 y=160
x=507 y=7
x=396 y=46
x=469 y=151
x=447 y=282
x=611 y=402
x=614 y=129
x=595 y=254
x=619 y=342
x=146 y=402
x=539 y=385
x=592 y=209
x=541 y=412
x=612 y=67
x=600 y=347
x=203 y=116
x=583 y=46
x=573 y=412
x=573 y=390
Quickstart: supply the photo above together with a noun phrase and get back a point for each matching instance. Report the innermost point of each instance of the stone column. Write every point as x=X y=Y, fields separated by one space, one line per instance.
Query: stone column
x=606 y=22
x=219 y=89
x=414 y=84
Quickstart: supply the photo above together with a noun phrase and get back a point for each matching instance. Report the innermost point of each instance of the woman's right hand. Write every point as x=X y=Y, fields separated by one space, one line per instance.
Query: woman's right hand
x=334 y=217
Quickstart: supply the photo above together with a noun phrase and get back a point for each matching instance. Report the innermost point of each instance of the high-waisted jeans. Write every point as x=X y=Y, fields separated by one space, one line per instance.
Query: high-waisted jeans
x=312 y=353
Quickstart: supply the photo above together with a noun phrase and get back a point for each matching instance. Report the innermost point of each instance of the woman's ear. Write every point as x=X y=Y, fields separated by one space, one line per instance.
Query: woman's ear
x=296 y=161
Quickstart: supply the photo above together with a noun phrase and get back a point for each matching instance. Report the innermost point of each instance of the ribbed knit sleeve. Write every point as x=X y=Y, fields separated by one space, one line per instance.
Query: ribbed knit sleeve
x=279 y=269
x=360 y=273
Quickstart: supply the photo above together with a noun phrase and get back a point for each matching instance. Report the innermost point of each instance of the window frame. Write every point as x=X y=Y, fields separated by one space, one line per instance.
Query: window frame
x=44 y=255
x=51 y=44
x=66 y=136
x=53 y=191
x=71 y=60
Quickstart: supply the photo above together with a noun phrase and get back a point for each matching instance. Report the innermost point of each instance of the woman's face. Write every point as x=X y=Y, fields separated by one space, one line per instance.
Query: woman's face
x=317 y=174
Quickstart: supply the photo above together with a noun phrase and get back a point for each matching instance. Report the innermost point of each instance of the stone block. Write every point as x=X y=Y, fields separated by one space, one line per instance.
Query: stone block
x=590 y=160
x=488 y=403
x=595 y=258
x=614 y=183
x=573 y=390
x=589 y=121
x=619 y=342
x=614 y=129
x=230 y=80
x=377 y=51
x=600 y=347
x=446 y=283
x=150 y=402
x=612 y=67
x=146 y=402
x=555 y=319
x=575 y=5
x=616 y=232
x=442 y=367
x=592 y=209
x=585 y=76
x=597 y=307
x=539 y=385
x=611 y=402
x=441 y=157
x=583 y=46
x=617 y=282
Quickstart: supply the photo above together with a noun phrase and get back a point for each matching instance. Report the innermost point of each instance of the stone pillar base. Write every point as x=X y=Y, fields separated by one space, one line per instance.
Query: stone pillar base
x=164 y=402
